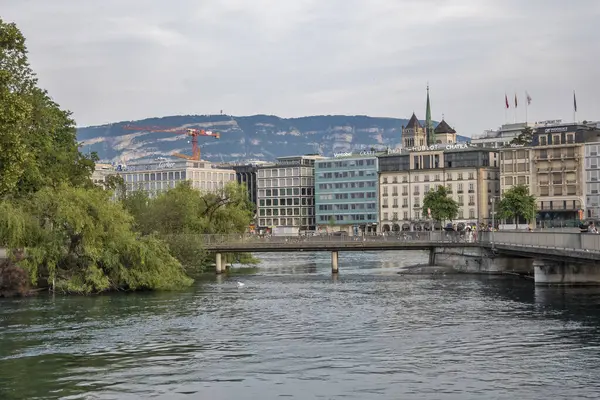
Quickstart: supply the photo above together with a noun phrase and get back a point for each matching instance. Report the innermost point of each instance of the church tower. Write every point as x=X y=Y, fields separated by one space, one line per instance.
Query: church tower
x=428 y=123
x=414 y=133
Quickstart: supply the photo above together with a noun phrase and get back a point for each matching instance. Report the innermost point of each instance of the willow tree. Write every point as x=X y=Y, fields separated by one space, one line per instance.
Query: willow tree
x=182 y=214
x=76 y=240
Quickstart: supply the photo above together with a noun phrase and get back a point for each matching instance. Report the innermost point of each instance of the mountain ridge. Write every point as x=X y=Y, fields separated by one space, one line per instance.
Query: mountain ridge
x=260 y=136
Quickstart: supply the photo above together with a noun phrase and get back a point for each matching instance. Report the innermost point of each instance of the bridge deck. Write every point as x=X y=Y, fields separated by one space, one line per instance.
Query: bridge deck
x=549 y=245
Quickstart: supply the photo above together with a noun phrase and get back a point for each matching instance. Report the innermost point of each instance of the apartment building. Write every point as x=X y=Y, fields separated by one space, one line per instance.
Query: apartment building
x=346 y=189
x=470 y=174
x=592 y=180
x=286 y=199
x=162 y=174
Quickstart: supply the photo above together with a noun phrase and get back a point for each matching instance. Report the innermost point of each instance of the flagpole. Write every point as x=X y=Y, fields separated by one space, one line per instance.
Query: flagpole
x=574 y=108
x=526 y=107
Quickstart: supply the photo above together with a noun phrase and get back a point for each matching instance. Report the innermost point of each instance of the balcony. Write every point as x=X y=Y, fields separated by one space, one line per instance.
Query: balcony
x=459 y=191
x=472 y=204
x=471 y=191
x=395 y=206
x=404 y=193
x=557 y=182
x=544 y=183
x=384 y=206
x=461 y=204
x=416 y=193
x=404 y=205
x=395 y=194
x=417 y=206
x=571 y=181
x=384 y=194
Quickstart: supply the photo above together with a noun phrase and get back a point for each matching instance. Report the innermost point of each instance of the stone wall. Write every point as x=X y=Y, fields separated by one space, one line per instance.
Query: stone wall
x=476 y=260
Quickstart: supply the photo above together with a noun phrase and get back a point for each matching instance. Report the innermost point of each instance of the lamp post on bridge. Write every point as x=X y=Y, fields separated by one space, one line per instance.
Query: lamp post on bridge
x=493 y=219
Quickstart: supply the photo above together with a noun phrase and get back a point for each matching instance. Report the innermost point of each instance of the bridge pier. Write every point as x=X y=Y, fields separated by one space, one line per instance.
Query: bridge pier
x=563 y=273
x=432 y=257
x=218 y=264
x=334 y=262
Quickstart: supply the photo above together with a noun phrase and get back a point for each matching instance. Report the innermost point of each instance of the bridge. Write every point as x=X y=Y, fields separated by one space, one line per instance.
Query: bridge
x=554 y=257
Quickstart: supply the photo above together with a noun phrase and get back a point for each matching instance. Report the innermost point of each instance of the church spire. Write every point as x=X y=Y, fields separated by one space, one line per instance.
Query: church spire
x=428 y=122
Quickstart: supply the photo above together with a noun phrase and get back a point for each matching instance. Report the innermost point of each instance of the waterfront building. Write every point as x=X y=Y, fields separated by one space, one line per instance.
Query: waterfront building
x=592 y=180
x=286 y=201
x=346 y=193
x=162 y=174
x=553 y=167
x=470 y=174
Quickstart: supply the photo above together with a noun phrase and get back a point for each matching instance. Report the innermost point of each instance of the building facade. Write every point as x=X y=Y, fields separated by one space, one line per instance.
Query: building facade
x=163 y=174
x=592 y=180
x=286 y=199
x=553 y=168
x=471 y=176
x=101 y=172
x=346 y=193
x=500 y=137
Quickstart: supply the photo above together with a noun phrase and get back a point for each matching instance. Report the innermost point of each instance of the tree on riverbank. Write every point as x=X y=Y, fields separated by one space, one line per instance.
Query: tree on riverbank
x=442 y=206
x=182 y=214
x=517 y=203
x=59 y=229
x=76 y=240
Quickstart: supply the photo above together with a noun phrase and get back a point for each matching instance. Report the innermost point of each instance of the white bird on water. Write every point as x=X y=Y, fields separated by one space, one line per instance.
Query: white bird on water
x=240 y=284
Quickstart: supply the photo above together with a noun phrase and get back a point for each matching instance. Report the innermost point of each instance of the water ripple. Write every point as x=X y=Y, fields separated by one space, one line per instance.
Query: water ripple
x=295 y=332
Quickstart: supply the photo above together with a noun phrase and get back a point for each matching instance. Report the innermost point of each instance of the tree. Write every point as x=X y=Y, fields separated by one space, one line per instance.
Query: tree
x=442 y=206
x=38 y=146
x=524 y=138
x=517 y=203
x=182 y=214
x=76 y=240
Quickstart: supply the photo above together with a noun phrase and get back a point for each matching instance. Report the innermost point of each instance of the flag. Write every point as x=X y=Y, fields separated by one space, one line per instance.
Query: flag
x=574 y=102
x=506 y=100
x=528 y=97
x=515 y=100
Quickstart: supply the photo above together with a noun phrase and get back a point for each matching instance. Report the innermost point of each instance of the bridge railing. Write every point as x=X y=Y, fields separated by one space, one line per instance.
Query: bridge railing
x=333 y=238
x=554 y=240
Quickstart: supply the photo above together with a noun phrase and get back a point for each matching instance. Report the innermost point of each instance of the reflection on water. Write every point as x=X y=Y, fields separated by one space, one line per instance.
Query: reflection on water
x=295 y=331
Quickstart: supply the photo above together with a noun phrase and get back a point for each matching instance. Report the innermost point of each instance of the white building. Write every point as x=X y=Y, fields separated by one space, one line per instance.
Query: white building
x=592 y=180
x=500 y=137
x=163 y=174
x=286 y=197
x=470 y=175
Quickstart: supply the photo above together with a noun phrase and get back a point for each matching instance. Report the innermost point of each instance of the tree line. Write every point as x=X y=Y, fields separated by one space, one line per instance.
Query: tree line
x=64 y=233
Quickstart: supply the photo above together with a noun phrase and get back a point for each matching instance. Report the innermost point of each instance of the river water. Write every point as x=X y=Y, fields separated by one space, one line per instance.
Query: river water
x=294 y=331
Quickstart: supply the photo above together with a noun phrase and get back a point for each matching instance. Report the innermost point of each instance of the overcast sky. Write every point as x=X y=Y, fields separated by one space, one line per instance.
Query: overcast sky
x=114 y=60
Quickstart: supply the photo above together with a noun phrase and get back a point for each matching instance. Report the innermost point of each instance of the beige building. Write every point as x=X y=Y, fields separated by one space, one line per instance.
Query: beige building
x=415 y=135
x=162 y=174
x=101 y=172
x=553 y=168
x=471 y=175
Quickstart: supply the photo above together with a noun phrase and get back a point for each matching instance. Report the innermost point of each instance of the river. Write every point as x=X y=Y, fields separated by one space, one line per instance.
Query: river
x=294 y=331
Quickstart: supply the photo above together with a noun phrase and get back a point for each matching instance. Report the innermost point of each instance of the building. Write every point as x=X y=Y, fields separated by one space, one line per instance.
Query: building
x=553 y=168
x=592 y=180
x=246 y=174
x=346 y=193
x=163 y=174
x=500 y=137
x=286 y=200
x=101 y=172
x=471 y=176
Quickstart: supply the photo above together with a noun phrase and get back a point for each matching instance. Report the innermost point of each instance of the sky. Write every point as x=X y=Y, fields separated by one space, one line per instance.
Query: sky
x=117 y=60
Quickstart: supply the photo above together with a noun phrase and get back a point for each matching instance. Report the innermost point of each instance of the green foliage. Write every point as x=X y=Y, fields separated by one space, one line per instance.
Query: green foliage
x=180 y=215
x=78 y=241
x=517 y=203
x=37 y=139
x=524 y=138
x=442 y=206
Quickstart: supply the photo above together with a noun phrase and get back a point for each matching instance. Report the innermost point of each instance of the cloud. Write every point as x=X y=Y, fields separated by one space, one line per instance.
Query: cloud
x=122 y=60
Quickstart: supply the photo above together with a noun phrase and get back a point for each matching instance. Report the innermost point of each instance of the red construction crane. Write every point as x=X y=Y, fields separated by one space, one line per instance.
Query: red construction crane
x=194 y=133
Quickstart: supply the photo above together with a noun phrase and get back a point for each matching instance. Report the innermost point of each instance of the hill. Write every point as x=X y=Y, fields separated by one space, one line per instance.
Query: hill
x=262 y=137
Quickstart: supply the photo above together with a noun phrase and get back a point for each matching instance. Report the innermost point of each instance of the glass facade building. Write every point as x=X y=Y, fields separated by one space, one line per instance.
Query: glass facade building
x=346 y=193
